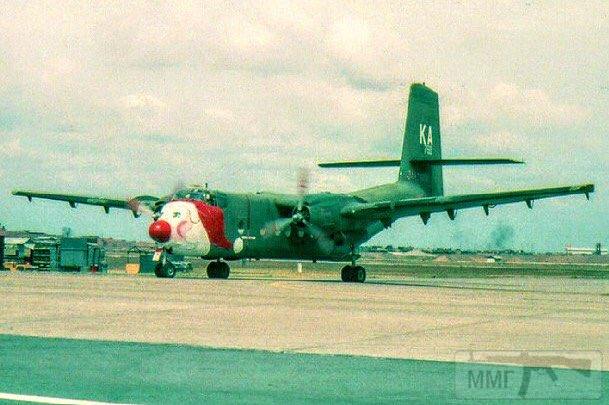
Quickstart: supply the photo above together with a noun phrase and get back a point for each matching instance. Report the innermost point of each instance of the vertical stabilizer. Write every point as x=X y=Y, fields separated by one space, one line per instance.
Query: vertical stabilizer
x=422 y=141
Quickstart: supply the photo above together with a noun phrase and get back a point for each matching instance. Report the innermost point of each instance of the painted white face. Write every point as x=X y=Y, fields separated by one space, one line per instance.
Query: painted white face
x=188 y=235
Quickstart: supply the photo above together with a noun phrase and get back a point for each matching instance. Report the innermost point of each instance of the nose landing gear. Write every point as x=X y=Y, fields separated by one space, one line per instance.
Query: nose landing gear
x=165 y=269
x=218 y=269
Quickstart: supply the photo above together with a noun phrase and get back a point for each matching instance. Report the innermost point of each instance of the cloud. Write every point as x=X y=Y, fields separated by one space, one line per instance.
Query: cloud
x=508 y=104
x=533 y=106
x=10 y=145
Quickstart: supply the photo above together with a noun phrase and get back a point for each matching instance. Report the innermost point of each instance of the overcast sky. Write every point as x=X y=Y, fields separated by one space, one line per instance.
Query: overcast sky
x=125 y=99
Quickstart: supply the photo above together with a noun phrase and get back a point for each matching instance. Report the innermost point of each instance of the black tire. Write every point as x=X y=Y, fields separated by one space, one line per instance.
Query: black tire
x=346 y=274
x=165 y=270
x=219 y=270
x=169 y=270
x=359 y=274
x=223 y=270
x=212 y=270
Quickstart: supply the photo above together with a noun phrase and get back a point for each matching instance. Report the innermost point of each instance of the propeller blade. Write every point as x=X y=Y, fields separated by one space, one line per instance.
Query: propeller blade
x=302 y=187
x=139 y=206
x=275 y=228
x=325 y=243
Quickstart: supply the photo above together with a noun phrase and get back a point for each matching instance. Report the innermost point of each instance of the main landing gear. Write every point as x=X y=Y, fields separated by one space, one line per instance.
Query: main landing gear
x=218 y=269
x=353 y=273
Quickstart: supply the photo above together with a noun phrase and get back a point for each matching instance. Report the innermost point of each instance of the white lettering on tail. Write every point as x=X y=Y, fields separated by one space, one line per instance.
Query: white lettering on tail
x=426 y=138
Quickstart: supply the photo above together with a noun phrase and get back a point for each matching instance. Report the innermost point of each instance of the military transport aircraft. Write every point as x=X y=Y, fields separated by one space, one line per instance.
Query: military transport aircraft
x=222 y=226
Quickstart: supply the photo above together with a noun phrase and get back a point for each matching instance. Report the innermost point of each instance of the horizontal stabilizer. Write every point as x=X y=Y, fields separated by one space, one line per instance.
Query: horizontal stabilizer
x=362 y=163
x=462 y=162
x=433 y=162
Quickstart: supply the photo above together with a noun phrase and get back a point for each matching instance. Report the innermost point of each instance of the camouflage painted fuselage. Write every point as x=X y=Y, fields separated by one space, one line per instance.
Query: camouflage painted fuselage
x=248 y=223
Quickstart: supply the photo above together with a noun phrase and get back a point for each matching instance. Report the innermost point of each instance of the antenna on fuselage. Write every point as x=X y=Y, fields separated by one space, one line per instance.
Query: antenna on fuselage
x=206 y=193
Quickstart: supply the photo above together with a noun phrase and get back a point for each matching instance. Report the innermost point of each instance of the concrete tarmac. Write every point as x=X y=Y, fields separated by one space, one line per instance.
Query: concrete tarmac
x=414 y=319
x=399 y=325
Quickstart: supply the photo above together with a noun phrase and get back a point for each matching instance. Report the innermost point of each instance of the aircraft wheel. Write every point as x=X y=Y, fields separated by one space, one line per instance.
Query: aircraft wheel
x=224 y=270
x=212 y=270
x=346 y=274
x=170 y=270
x=165 y=270
x=218 y=270
x=353 y=274
x=158 y=270
x=359 y=274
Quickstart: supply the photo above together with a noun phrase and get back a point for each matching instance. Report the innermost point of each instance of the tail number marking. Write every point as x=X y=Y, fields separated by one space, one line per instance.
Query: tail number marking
x=426 y=138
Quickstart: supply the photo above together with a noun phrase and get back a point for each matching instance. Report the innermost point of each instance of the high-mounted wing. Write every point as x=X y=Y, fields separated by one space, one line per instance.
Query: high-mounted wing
x=388 y=211
x=132 y=204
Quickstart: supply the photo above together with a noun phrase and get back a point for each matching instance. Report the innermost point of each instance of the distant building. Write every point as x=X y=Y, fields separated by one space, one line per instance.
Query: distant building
x=374 y=249
x=597 y=250
x=17 y=249
x=49 y=252
x=413 y=253
x=493 y=258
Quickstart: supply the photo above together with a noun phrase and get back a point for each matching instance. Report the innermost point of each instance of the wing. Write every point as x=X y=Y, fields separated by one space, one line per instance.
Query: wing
x=391 y=210
x=132 y=204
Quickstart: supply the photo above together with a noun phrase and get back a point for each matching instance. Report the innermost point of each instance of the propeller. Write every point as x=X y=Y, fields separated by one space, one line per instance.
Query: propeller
x=145 y=205
x=151 y=206
x=325 y=243
x=299 y=225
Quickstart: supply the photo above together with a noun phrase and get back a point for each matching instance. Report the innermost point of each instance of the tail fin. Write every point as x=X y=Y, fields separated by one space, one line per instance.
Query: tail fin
x=422 y=141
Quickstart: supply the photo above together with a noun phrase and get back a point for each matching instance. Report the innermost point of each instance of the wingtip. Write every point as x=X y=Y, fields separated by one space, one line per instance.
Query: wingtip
x=587 y=189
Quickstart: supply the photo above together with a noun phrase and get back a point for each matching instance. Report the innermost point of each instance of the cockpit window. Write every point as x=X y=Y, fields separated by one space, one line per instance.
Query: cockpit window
x=200 y=194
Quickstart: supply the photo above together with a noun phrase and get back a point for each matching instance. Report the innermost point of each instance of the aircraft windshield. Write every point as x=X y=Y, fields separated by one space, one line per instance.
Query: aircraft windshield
x=201 y=194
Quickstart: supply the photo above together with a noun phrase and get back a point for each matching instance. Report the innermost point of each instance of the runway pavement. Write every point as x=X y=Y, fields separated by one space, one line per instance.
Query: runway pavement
x=416 y=319
x=53 y=370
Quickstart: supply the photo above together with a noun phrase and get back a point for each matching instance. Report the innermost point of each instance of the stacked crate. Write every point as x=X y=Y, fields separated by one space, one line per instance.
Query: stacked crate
x=81 y=254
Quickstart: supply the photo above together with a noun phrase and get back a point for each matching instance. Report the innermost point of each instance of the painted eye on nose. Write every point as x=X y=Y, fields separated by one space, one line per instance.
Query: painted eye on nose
x=192 y=220
x=177 y=214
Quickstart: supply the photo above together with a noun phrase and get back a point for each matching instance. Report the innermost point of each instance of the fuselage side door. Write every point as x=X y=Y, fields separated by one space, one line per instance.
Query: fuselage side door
x=263 y=213
x=236 y=215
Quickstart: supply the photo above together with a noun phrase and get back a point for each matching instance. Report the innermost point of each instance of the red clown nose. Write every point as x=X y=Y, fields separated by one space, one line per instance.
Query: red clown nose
x=160 y=231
